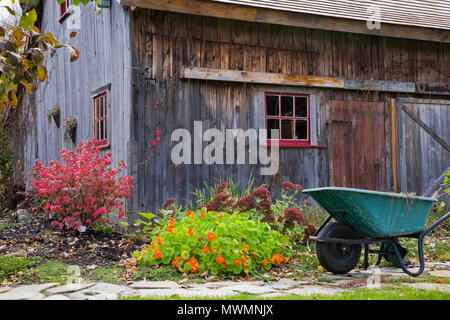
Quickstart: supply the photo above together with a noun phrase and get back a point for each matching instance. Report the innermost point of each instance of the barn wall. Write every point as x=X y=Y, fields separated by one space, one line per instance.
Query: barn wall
x=164 y=42
x=105 y=57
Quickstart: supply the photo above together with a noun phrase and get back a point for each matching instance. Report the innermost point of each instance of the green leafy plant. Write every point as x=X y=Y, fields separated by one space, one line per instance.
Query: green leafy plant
x=216 y=243
x=69 y=126
x=286 y=214
x=22 y=51
x=53 y=112
x=446 y=182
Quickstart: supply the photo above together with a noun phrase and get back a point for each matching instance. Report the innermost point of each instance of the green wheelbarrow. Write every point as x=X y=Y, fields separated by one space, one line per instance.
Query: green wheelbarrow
x=366 y=217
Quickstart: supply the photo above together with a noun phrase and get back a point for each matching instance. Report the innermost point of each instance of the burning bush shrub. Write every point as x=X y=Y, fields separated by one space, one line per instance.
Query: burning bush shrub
x=81 y=191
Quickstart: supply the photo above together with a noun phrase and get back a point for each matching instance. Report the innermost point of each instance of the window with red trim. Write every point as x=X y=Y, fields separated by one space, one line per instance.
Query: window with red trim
x=290 y=114
x=64 y=9
x=101 y=119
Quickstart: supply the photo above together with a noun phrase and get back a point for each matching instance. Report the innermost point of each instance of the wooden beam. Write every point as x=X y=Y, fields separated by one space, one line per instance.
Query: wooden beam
x=297 y=80
x=394 y=145
x=295 y=19
x=259 y=77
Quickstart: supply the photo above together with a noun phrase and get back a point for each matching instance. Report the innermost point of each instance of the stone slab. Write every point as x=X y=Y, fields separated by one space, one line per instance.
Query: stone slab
x=251 y=289
x=69 y=288
x=28 y=292
x=216 y=284
x=310 y=290
x=102 y=291
x=205 y=293
x=440 y=273
x=155 y=285
x=57 y=297
x=285 y=284
x=163 y=292
x=4 y=289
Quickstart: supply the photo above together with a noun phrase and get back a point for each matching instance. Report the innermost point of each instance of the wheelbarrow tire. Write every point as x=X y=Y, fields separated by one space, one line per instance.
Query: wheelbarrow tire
x=334 y=257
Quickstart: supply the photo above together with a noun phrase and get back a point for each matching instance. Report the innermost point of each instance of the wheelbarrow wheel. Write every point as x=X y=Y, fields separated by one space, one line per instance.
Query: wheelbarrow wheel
x=338 y=258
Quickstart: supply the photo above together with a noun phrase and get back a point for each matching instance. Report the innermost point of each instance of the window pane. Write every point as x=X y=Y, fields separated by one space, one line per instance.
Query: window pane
x=102 y=103
x=104 y=106
x=287 y=106
x=273 y=106
x=287 y=129
x=301 y=130
x=301 y=107
x=96 y=130
x=106 y=129
x=272 y=124
x=101 y=130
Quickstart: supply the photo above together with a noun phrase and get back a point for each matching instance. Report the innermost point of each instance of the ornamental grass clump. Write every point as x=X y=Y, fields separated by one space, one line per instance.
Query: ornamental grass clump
x=215 y=243
x=82 y=190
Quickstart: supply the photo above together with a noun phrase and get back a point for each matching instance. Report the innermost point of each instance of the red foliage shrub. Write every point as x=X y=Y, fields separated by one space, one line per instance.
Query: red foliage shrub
x=83 y=190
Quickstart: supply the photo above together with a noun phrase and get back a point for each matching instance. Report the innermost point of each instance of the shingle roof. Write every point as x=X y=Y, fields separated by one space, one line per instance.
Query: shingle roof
x=427 y=13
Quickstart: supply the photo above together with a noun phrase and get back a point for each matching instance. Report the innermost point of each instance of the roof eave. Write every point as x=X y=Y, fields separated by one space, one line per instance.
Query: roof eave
x=264 y=15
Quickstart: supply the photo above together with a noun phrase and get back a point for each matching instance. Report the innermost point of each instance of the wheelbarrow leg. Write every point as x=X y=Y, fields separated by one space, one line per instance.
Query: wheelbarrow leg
x=366 y=256
x=419 y=247
x=380 y=257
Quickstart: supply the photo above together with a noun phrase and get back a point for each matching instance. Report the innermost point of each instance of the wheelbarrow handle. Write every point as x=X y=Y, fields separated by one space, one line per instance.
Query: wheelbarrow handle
x=434 y=225
x=420 y=248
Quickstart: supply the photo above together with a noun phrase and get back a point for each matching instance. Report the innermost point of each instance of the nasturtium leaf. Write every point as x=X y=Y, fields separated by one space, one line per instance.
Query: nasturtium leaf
x=187 y=267
x=147 y=215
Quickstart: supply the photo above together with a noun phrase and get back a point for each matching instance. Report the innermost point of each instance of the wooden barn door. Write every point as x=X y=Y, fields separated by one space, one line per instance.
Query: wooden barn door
x=423 y=127
x=358 y=145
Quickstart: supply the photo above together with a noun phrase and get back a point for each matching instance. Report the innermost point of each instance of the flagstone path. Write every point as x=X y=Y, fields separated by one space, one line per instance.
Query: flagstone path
x=103 y=291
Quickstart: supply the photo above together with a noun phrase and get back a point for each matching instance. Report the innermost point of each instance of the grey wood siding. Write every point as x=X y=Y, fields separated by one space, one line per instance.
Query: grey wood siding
x=105 y=57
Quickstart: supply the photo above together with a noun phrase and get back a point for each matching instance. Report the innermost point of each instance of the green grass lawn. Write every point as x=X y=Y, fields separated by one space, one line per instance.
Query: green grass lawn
x=404 y=293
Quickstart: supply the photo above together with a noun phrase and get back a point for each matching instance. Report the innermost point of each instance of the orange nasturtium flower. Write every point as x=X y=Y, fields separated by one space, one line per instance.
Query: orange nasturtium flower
x=205 y=249
x=214 y=249
x=211 y=236
x=144 y=248
x=193 y=261
x=237 y=262
x=245 y=248
x=175 y=263
x=203 y=214
x=190 y=232
x=194 y=265
x=170 y=228
x=246 y=270
x=172 y=221
x=160 y=241
x=286 y=259
x=158 y=254
x=153 y=244
x=265 y=262
x=189 y=212
x=220 y=259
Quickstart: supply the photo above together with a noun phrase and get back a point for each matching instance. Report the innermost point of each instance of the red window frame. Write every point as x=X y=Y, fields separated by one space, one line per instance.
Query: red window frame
x=290 y=142
x=101 y=115
x=64 y=10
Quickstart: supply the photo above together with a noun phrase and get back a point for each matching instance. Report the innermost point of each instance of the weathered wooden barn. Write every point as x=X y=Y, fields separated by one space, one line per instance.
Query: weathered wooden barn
x=357 y=105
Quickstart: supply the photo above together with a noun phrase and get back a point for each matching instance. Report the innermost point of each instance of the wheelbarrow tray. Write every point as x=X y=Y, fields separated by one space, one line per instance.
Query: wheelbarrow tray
x=374 y=214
